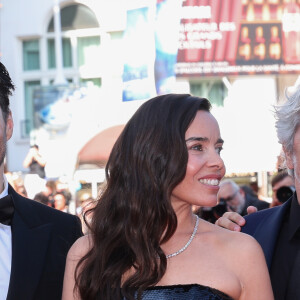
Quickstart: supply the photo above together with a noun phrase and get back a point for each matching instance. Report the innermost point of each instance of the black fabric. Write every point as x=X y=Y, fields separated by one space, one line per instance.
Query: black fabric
x=254 y=201
x=265 y=226
x=6 y=210
x=285 y=255
x=277 y=231
x=41 y=239
x=184 y=292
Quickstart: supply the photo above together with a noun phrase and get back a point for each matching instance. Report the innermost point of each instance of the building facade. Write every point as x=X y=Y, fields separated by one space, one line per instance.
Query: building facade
x=96 y=48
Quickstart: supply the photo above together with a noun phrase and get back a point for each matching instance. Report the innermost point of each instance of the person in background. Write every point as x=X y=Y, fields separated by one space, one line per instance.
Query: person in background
x=277 y=228
x=236 y=198
x=35 y=162
x=19 y=186
x=34 y=180
x=231 y=197
x=50 y=189
x=252 y=199
x=60 y=201
x=42 y=198
x=284 y=183
x=34 y=238
x=145 y=241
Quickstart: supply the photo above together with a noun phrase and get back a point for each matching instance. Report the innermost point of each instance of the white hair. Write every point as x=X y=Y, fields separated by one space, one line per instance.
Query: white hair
x=288 y=119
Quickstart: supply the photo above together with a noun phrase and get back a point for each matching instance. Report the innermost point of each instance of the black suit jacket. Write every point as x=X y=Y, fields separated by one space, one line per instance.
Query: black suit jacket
x=265 y=225
x=41 y=238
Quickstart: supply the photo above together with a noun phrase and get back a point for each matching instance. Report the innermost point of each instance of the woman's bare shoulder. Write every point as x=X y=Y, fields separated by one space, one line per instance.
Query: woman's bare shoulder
x=234 y=241
x=243 y=241
x=81 y=247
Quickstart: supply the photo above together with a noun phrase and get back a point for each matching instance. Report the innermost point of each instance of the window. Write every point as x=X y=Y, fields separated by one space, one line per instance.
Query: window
x=81 y=55
x=117 y=35
x=214 y=91
x=31 y=55
x=84 y=51
x=29 y=105
x=74 y=17
x=94 y=81
x=88 y=50
x=67 y=53
x=70 y=80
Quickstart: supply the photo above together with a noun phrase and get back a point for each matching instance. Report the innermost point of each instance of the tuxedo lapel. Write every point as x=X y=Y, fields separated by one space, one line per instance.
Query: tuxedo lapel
x=29 y=246
x=267 y=231
x=294 y=286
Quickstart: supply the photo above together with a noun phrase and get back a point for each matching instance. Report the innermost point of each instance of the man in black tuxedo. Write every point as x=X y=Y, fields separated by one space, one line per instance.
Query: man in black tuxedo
x=34 y=238
x=278 y=229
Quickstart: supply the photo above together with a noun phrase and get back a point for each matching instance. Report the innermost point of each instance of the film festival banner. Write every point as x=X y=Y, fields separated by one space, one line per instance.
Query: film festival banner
x=231 y=37
x=193 y=38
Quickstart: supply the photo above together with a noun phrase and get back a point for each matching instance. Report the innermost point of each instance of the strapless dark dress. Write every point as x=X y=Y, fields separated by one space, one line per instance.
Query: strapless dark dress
x=184 y=292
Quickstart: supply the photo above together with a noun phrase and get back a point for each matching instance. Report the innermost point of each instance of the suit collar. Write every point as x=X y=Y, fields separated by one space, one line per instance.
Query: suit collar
x=293 y=285
x=267 y=231
x=294 y=220
x=24 y=208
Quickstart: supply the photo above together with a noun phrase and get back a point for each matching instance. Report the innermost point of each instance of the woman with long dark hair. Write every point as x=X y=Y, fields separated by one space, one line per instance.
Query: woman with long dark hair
x=145 y=241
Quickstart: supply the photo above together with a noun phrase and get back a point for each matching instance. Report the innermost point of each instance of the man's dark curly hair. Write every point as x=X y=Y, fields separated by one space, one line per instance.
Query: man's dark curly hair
x=6 y=89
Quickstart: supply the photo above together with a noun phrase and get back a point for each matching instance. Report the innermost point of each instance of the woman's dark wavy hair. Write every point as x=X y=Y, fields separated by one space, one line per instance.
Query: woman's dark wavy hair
x=134 y=216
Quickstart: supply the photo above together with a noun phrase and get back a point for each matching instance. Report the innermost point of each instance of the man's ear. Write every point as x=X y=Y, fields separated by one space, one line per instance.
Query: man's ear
x=9 y=126
x=288 y=159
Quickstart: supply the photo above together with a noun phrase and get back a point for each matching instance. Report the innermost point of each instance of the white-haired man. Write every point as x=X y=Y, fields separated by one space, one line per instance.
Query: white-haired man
x=278 y=229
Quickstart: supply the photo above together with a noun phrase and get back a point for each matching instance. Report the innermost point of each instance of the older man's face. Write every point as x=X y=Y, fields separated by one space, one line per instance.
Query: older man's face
x=232 y=196
x=293 y=161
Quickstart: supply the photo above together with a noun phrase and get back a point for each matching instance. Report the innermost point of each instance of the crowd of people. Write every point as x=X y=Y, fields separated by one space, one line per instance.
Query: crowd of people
x=143 y=237
x=233 y=197
x=53 y=193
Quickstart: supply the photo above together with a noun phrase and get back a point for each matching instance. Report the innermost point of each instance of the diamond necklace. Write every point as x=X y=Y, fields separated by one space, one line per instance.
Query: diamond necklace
x=189 y=241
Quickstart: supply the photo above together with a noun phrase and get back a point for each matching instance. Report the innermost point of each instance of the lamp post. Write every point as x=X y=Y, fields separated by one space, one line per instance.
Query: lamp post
x=59 y=78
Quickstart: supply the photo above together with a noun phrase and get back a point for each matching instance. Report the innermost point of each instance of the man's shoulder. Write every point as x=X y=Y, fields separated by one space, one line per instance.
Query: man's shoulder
x=48 y=211
x=35 y=212
x=268 y=217
x=261 y=214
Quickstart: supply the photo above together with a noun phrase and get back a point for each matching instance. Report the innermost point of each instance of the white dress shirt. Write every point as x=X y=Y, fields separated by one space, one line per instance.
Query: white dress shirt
x=5 y=251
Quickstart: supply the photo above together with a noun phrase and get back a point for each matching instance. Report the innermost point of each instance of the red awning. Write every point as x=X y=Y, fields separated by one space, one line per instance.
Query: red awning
x=97 y=149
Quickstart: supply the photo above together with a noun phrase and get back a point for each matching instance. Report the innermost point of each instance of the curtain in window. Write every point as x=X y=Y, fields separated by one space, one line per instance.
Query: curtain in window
x=214 y=91
x=29 y=110
x=51 y=54
x=67 y=53
x=31 y=55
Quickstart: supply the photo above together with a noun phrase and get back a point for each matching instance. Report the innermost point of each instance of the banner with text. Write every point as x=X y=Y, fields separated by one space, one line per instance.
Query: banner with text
x=233 y=37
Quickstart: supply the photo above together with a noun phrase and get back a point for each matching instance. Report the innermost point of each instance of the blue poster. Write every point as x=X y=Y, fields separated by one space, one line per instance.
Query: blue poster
x=139 y=54
x=166 y=44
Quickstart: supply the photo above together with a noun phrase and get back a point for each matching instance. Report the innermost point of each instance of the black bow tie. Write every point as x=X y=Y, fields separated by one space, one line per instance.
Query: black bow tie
x=6 y=210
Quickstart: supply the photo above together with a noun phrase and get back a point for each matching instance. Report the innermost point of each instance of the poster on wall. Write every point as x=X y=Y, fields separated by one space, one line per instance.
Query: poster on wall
x=139 y=55
x=53 y=106
x=211 y=38
x=166 y=33
x=231 y=37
